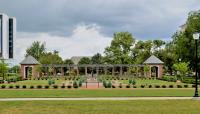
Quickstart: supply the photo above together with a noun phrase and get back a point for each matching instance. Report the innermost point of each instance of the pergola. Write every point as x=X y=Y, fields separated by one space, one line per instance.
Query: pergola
x=96 y=69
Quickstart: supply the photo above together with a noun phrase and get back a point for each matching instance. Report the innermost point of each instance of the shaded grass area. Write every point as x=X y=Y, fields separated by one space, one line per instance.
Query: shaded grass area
x=101 y=107
x=95 y=93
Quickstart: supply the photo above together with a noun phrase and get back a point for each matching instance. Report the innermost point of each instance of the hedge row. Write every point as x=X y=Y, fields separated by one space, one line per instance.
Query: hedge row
x=150 y=86
x=37 y=86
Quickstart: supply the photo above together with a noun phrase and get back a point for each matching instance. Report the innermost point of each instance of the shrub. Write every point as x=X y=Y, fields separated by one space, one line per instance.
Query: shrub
x=3 y=86
x=134 y=86
x=130 y=81
x=185 y=86
x=17 y=86
x=104 y=83
x=80 y=83
x=128 y=86
x=75 y=84
x=69 y=86
x=150 y=86
x=55 y=86
x=109 y=85
x=193 y=86
x=164 y=86
x=120 y=85
x=171 y=86
x=46 y=86
x=63 y=86
x=31 y=87
x=133 y=82
x=24 y=86
x=169 y=78
x=10 y=86
x=157 y=86
x=179 y=86
x=39 y=86
x=49 y=82
x=113 y=86
x=142 y=86
x=52 y=81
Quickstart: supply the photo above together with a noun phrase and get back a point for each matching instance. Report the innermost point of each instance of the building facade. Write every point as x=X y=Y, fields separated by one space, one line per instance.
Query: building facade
x=7 y=36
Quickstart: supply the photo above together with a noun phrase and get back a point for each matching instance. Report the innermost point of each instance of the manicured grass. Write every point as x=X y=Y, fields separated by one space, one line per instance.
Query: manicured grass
x=96 y=93
x=36 y=82
x=152 y=82
x=101 y=107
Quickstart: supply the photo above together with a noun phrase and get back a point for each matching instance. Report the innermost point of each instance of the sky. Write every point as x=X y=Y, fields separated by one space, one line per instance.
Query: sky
x=86 y=27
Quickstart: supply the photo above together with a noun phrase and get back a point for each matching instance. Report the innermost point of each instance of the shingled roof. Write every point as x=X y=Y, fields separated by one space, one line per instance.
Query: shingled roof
x=29 y=60
x=153 y=60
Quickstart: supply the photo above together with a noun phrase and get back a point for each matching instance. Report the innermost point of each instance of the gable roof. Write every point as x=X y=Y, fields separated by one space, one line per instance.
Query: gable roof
x=30 y=60
x=153 y=60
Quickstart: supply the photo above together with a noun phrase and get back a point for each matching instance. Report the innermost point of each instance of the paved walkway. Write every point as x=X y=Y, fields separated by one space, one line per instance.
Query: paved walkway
x=99 y=98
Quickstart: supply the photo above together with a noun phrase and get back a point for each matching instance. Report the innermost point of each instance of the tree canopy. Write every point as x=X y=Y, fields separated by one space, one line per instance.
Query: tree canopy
x=50 y=58
x=84 y=60
x=36 y=49
x=120 y=49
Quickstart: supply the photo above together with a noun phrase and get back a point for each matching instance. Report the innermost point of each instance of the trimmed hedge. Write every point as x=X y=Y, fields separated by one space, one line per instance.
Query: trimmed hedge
x=17 y=86
x=3 y=86
x=39 y=86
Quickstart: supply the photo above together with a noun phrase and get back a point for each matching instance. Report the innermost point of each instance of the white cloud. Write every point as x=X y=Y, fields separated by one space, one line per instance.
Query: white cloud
x=86 y=40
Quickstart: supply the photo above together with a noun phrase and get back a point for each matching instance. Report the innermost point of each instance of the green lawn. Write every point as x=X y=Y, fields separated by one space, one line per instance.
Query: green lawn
x=96 y=93
x=101 y=107
x=36 y=82
x=61 y=81
x=152 y=82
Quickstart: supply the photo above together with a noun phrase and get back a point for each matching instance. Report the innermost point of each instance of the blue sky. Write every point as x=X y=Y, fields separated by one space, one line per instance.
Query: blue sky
x=85 y=27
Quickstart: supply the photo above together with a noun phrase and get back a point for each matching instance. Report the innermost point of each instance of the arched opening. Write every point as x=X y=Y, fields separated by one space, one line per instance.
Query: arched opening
x=28 y=72
x=154 y=71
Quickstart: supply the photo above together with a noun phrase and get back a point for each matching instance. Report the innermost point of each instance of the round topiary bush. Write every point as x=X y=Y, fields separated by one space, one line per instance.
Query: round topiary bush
x=157 y=86
x=179 y=86
x=113 y=86
x=171 y=86
x=63 y=86
x=69 y=86
x=55 y=86
x=3 y=86
x=17 y=86
x=185 y=86
x=150 y=86
x=164 y=86
x=24 y=86
x=142 y=86
x=120 y=85
x=10 y=86
x=134 y=86
x=128 y=86
x=46 y=86
x=39 y=86
x=31 y=87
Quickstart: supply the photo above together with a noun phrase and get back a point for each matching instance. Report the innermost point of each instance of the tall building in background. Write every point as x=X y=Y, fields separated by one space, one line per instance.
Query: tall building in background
x=7 y=36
